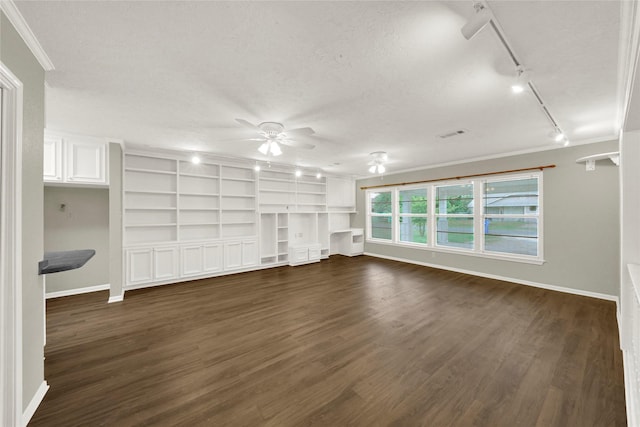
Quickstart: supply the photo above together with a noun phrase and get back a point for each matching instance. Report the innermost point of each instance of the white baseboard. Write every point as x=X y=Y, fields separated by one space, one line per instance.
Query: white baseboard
x=35 y=402
x=77 y=291
x=116 y=298
x=506 y=279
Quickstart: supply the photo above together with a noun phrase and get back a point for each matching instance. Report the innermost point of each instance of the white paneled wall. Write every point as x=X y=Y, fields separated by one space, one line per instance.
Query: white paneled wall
x=629 y=316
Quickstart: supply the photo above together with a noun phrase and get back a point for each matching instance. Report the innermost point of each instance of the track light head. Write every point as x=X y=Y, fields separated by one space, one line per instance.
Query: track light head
x=477 y=22
x=522 y=80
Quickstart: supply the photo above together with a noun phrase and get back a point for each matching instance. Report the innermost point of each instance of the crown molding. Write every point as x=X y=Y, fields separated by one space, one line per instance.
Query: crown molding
x=628 y=56
x=20 y=24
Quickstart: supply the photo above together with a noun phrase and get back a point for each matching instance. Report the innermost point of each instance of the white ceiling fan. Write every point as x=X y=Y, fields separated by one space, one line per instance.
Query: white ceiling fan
x=273 y=134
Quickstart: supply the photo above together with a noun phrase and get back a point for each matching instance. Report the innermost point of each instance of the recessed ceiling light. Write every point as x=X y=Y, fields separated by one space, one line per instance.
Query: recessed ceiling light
x=298 y=173
x=256 y=168
x=195 y=160
x=318 y=175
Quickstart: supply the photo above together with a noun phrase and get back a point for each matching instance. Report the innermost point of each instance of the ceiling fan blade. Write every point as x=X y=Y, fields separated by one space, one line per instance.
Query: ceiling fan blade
x=296 y=144
x=300 y=131
x=247 y=124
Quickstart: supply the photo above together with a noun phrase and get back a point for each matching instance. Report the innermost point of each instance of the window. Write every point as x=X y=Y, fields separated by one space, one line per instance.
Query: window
x=380 y=215
x=496 y=217
x=412 y=215
x=511 y=216
x=454 y=216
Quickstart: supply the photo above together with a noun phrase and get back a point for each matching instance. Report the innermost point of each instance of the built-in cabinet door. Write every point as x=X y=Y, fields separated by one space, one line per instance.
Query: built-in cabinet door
x=299 y=255
x=52 y=160
x=165 y=263
x=341 y=192
x=191 y=260
x=232 y=255
x=249 y=253
x=139 y=265
x=86 y=162
x=212 y=257
x=314 y=253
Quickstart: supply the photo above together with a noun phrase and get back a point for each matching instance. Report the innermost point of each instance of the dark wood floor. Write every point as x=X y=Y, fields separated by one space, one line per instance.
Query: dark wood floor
x=349 y=341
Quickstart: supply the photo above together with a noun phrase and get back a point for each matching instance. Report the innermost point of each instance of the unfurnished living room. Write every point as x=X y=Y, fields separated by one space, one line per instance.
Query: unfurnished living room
x=332 y=213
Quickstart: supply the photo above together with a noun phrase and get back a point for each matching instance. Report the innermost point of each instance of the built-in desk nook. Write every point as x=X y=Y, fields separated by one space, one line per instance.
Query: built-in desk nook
x=348 y=241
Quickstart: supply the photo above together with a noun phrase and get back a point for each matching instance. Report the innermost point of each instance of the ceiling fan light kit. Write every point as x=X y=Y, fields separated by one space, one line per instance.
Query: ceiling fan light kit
x=273 y=134
x=377 y=164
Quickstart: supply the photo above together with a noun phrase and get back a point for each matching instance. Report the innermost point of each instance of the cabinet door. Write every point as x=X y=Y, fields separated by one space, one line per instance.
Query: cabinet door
x=139 y=265
x=249 y=253
x=341 y=192
x=314 y=253
x=232 y=255
x=212 y=257
x=86 y=162
x=52 y=160
x=297 y=255
x=165 y=261
x=191 y=260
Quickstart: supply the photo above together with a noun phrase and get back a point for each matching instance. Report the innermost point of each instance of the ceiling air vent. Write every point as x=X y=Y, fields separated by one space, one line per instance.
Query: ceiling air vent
x=453 y=133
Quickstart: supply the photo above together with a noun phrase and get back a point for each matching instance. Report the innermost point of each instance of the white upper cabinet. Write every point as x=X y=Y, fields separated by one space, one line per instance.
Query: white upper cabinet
x=75 y=160
x=52 y=167
x=86 y=162
x=341 y=193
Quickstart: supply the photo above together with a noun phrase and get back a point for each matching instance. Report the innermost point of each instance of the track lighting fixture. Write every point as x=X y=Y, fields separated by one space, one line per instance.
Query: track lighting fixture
x=477 y=22
x=559 y=137
x=522 y=80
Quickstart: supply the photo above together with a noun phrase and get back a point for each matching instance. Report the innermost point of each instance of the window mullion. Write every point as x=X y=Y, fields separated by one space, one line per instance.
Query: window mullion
x=478 y=219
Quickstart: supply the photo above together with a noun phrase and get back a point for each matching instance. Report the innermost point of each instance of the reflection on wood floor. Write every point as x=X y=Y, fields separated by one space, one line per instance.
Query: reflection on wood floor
x=347 y=341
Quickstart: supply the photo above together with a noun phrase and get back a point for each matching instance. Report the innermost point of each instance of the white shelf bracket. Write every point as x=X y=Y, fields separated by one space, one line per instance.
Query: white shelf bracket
x=590 y=161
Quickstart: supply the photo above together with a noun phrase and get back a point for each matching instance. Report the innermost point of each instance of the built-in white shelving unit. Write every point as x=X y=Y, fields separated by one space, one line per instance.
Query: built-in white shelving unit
x=184 y=221
x=282 y=191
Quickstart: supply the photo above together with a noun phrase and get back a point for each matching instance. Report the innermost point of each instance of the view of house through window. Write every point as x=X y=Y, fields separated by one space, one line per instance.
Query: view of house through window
x=496 y=216
x=454 y=213
x=511 y=216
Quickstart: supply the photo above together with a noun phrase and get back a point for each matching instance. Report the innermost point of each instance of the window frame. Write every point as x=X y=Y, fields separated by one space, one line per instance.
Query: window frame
x=478 y=215
x=371 y=214
x=396 y=218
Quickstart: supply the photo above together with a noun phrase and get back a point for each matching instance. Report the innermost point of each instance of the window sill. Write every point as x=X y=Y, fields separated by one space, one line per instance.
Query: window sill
x=534 y=261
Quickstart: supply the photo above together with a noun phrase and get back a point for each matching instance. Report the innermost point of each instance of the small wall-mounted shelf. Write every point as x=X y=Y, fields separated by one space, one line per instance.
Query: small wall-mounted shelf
x=590 y=161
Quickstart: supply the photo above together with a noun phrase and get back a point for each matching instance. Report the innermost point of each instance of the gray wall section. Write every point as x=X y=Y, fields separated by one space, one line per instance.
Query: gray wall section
x=115 y=219
x=18 y=58
x=83 y=223
x=581 y=221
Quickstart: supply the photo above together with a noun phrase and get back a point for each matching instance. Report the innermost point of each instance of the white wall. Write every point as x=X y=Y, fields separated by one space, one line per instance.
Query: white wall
x=83 y=223
x=19 y=59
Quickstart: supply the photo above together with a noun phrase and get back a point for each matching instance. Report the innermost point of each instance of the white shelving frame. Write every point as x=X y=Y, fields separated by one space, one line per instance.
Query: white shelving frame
x=184 y=221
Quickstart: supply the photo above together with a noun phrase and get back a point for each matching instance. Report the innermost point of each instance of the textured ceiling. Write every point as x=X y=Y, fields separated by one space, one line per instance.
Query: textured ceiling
x=366 y=76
